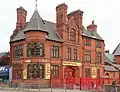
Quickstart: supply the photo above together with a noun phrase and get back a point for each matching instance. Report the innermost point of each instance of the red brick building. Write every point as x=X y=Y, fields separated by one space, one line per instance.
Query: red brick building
x=41 y=50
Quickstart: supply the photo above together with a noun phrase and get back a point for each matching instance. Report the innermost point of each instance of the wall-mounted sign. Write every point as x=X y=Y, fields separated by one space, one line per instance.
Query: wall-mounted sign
x=94 y=72
x=4 y=69
x=47 y=71
x=25 y=73
x=71 y=63
x=28 y=61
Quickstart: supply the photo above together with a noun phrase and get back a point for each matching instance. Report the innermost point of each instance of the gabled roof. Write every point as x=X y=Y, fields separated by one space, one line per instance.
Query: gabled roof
x=109 y=58
x=5 y=54
x=117 y=50
x=36 y=23
x=92 y=34
x=110 y=68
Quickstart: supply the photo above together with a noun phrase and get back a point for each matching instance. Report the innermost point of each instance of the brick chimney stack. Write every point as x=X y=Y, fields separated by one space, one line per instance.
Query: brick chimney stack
x=78 y=17
x=92 y=27
x=21 y=17
x=107 y=51
x=61 y=19
x=21 y=20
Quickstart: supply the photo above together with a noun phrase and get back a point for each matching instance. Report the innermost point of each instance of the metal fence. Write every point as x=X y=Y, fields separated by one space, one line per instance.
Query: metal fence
x=66 y=85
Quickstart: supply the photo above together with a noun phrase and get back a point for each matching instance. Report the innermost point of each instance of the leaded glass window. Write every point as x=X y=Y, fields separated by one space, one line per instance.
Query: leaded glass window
x=17 y=71
x=18 y=51
x=35 y=49
x=35 y=71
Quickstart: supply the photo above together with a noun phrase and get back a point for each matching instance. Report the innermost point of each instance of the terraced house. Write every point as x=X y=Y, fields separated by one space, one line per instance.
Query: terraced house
x=41 y=50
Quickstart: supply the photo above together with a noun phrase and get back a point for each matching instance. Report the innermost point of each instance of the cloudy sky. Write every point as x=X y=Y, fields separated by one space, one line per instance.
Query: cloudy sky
x=106 y=14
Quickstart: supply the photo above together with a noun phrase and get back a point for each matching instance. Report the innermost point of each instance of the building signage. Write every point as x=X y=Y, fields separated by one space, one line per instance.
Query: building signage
x=71 y=63
x=24 y=73
x=94 y=72
x=4 y=69
x=28 y=61
x=47 y=71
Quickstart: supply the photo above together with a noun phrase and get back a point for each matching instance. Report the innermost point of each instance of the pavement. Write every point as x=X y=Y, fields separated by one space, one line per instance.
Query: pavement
x=6 y=89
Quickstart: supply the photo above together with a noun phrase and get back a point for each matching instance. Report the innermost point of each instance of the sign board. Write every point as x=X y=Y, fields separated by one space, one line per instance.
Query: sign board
x=24 y=73
x=4 y=69
x=94 y=72
x=47 y=71
x=71 y=63
x=28 y=61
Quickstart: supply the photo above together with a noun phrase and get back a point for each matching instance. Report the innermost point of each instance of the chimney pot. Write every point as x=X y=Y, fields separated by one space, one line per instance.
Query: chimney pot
x=107 y=51
x=93 y=22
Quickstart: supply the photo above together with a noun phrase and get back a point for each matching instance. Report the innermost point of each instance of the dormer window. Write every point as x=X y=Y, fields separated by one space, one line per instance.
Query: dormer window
x=72 y=34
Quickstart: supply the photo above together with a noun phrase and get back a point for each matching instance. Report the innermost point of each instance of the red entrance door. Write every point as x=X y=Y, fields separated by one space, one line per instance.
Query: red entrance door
x=69 y=73
x=69 y=76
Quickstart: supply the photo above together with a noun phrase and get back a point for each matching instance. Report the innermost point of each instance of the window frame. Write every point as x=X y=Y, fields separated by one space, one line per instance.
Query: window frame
x=54 y=71
x=18 y=51
x=69 y=53
x=75 y=54
x=17 y=71
x=98 y=44
x=72 y=34
x=35 y=72
x=54 y=51
x=87 y=57
x=87 y=41
x=98 y=57
x=35 y=49
x=87 y=72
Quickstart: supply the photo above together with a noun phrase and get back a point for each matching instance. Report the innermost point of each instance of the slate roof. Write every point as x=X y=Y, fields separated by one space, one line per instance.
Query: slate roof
x=109 y=58
x=36 y=23
x=6 y=54
x=2 y=54
x=110 y=68
x=117 y=66
x=92 y=34
x=117 y=50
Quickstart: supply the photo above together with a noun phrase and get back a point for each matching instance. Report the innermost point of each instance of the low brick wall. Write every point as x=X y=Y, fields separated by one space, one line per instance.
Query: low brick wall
x=107 y=88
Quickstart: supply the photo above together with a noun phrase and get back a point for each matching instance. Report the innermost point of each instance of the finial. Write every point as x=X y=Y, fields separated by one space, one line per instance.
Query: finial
x=36 y=5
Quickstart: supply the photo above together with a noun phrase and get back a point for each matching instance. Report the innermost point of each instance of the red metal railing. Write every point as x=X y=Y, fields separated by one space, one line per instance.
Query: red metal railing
x=82 y=83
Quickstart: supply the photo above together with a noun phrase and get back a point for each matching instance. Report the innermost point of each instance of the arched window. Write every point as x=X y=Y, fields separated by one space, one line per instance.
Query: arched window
x=35 y=49
x=72 y=34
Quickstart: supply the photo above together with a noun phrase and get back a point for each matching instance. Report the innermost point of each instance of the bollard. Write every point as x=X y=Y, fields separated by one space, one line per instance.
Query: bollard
x=51 y=87
x=28 y=88
x=39 y=87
